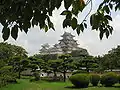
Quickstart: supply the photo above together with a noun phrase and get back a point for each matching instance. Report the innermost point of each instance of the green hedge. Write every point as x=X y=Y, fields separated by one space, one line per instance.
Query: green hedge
x=80 y=80
x=94 y=79
x=109 y=79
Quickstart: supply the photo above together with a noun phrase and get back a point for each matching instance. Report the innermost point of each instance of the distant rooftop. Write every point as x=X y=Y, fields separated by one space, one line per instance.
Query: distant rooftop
x=67 y=34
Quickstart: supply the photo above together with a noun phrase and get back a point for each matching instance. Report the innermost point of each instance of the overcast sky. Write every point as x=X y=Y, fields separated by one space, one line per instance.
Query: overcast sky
x=88 y=39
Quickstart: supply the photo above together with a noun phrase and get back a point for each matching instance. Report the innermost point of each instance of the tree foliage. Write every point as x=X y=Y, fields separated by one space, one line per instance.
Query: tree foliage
x=11 y=62
x=54 y=66
x=62 y=65
x=79 y=53
x=66 y=64
x=109 y=61
x=7 y=51
x=19 y=64
x=21 y=15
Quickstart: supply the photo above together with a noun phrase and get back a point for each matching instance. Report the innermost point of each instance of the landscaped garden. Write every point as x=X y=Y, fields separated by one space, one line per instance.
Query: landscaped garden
x=68 y=71
x=79 y=81
x=24 y=84
x=65 y=65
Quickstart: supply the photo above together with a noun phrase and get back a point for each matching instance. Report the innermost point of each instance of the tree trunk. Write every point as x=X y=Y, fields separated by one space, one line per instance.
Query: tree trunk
x=47 y=74
x=64 y=76
x=19 y=74
x=87 y=69
x=19 y=71
x=111 y=69
x=55 y=75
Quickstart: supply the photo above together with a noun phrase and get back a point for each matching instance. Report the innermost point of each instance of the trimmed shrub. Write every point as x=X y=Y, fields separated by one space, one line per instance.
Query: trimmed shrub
x=109 y=79
x=94 y=79
x=119 y=78
x=79 y=71
x=80 y=80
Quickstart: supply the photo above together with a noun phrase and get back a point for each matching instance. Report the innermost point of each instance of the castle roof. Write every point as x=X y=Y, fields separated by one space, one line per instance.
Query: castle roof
x=67 y=34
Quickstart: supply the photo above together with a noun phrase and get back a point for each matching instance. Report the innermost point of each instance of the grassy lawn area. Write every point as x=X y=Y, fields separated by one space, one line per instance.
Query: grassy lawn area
x=24 y=84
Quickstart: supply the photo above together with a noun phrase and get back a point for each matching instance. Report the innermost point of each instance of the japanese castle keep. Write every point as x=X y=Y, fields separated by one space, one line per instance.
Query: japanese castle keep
x=65 y=45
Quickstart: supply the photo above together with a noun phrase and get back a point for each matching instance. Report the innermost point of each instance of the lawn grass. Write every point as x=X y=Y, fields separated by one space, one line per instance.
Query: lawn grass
x=24 y=84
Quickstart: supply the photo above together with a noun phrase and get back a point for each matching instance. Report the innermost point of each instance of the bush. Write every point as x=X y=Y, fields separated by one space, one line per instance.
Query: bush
x=79 y=71
x=119 y=78
x=80 y=80
x=94 y=79
x=109 y=79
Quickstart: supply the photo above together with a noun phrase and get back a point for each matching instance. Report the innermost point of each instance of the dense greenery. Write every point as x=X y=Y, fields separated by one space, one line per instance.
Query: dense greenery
x=7 y=75
x=80 y=80
x=87 y=63
x=109 y=61
x=54 y=65
x=66 y=64
x=79 y=53
x=82 y=63
x=14 y=60
x=10 y=67
x=109 y=79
